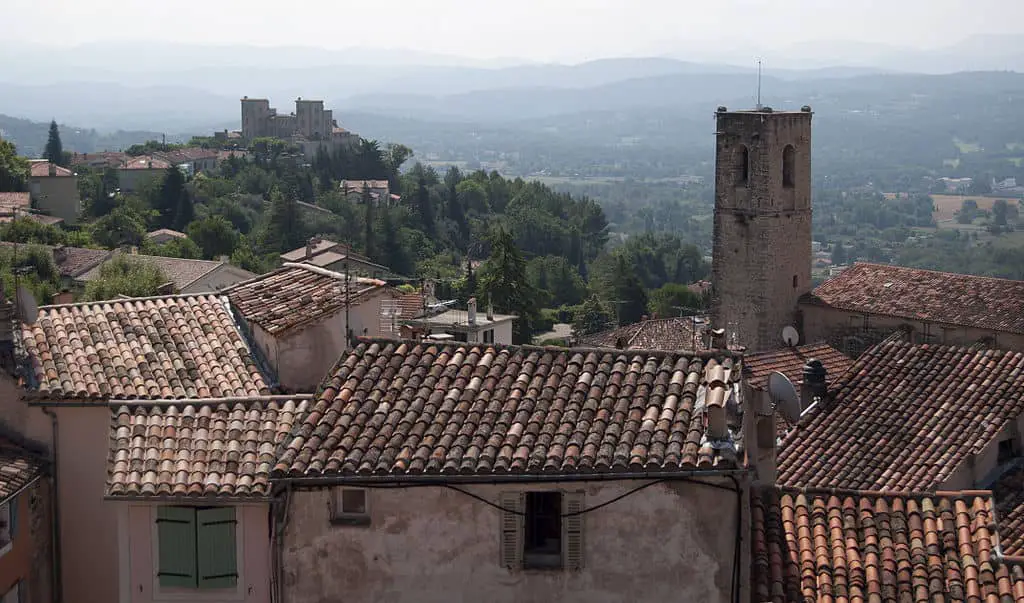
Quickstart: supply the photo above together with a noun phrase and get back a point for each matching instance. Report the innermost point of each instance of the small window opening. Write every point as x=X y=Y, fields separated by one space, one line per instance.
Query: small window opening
x=796 y=281
x=742 y=166
x=788 y=166
x=542 y=546
x=350 y=507
x=1009 y=449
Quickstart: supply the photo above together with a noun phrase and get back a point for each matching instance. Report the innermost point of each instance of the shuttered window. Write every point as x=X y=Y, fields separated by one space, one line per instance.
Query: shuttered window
x=526 y=524
x=197 y=547
x=176 y=536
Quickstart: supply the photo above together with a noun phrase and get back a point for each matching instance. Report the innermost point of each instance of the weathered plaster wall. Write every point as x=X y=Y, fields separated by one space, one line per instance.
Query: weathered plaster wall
x=668 y=542
x=138 y=558
x=221 y=278
x=846 y=331
x=303 y=357
x=761 y=261
x=30 y=559
x=57 y=195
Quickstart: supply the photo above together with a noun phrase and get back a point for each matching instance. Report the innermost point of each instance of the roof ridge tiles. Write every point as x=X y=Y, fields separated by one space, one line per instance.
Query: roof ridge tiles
x=200 y=401
x=134 y=299
x=885 y=493
x=932 y=271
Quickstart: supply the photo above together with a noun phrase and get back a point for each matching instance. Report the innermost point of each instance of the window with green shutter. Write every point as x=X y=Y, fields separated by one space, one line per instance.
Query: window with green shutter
x=197 y=547
x=176 y=537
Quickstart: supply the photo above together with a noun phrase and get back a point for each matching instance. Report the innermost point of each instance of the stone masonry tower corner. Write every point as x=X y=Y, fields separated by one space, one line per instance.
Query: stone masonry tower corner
x=761 y=259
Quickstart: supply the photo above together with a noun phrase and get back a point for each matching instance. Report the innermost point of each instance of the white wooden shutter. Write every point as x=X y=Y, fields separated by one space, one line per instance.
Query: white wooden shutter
x=176 y=541
x=511 y=529
x=572 y=530
x=216 y=549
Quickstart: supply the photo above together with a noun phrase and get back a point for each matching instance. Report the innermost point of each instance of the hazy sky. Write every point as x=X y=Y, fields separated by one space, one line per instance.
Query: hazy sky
x=534 y=29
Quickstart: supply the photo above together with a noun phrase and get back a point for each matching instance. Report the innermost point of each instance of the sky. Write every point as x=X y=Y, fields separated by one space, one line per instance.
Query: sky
x=545 y=30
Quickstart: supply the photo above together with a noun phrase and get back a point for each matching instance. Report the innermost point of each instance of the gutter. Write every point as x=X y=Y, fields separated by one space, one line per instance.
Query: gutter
x=182 y=500
x=57 y=577
x=434 y=479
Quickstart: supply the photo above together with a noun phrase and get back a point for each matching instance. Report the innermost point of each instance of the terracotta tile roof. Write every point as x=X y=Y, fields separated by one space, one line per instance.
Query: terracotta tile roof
x=105 y=159
x=956 y=299
x=161 y=347
x=1009 y=495
x=320 y=246
x=18 y=468
x=297 y=295
x=166 y=232
x=790 y=362
x=20 y=200
x=411 y=305
x=401 y=407
x=207 y=448
x=182 y=272
x=145 y=162
x=72 y=261
x=187 y=154
x=865 y=546
x=652 y=334
x=904 y=417
x=41 y=169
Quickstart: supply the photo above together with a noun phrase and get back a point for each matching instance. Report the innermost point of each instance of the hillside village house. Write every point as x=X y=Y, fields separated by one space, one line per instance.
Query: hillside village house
x=183 y=275
x=461 y=325
x=686 y=333
x=380 y=191
x=81 y=358
x=164 y=235
x=426 y=471
x=189 y=482
x=193 y=160
x=298 y=318
x=137 y=171
x=54 y=190
x=867 y=302
x=336 y=257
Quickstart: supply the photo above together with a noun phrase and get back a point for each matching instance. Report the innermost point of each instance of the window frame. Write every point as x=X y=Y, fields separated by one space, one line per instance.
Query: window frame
x=512 y=531
x=199 y=592
x=9 y=510
x=532 y=520
x=789 y=166
x=340 y=517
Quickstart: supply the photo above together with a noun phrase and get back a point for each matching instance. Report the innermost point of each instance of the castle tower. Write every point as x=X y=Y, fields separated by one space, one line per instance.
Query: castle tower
x=761 y=260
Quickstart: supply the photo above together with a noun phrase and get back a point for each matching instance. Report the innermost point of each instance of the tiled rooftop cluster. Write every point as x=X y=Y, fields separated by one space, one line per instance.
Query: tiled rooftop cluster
x=651 y=334
x=18 y=468
x=395 y=408
x=180 y=271
x=904 y=417
x=1009 y=495
x=202 y=448
x=146 y=348
x=790 y=362
x=298 y=295
x=869 y=546
x=956 y=299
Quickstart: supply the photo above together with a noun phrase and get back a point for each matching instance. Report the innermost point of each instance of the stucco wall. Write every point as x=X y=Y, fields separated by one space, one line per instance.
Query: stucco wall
x=301 y=358
x=668 y=542
x=822 y=323
x=88 y=523
x=224 y=276
x=58 y=196
x=133 y=180
x=138 y=581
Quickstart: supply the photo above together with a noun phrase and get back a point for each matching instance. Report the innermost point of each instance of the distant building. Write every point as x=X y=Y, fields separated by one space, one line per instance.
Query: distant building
x=461 y=325
x=193 y=160
x=165 y=235
x=380 y=191
x=136 y=171
x=336 y=257
x=54 y=190
x=311 y=126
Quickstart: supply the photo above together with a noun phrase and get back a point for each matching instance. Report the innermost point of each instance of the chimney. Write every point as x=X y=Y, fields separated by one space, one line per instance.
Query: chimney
x=53 y=168
x=643 y=318
x=149 y=164
x=59 y=254
x=166 y=288
x=63 y=297
x=813 y=387
x=223 y=259
x=471 y=311
x=490 y=308
x=309 y=247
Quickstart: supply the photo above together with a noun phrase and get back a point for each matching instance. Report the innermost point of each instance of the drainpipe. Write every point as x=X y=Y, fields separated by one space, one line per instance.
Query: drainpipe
x=280 y=524
x=57 y=579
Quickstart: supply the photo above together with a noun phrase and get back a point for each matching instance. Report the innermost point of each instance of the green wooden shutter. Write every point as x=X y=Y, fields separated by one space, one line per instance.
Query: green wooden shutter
x=176 y=536
x=511 y=530
x=217 y=552
x=572 y=530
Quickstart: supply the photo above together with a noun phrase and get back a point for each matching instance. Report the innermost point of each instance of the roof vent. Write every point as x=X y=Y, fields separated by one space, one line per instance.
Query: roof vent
x=806 y=108
x=722 y=109
x=814 y=385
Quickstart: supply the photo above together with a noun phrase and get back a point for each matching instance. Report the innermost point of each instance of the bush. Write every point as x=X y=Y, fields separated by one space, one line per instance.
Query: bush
x=125 y=275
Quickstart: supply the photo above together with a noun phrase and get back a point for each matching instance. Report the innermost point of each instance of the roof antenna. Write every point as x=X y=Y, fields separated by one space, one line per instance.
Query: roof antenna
x=759 y=84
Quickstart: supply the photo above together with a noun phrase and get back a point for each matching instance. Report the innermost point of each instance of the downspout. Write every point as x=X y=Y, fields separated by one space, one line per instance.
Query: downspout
x=55 y=514
x=280 y=524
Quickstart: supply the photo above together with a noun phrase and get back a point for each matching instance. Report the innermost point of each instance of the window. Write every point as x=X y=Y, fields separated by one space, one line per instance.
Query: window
x=795 y=281
x=742 y=166
x=197 y=547
x=788 y=166
x=489 y=336
x=542 y=530
x=8 y=526
x=349 y=506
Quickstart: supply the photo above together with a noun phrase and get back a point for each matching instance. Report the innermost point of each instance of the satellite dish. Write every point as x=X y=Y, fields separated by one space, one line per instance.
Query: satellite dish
x=783 y=396
x=28 y=309
x=790 y=335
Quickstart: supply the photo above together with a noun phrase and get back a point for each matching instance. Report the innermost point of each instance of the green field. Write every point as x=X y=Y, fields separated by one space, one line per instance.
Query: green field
x=966 y=147
x=953 y=163
x=556 y=180
x=1017 y=161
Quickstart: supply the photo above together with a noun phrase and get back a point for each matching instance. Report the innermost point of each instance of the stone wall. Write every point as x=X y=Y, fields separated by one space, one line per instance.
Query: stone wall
x=762 y=225
x=671 y=541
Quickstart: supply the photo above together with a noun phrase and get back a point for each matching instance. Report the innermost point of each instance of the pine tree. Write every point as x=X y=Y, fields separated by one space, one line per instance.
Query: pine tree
x=503 y=280
x=424 y=206
x=172 y=199
x=284 y=229
x=54 y=149
x=629 y=293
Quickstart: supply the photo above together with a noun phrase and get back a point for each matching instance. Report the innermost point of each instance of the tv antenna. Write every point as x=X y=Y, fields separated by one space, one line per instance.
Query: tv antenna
x=790 y=335
x=783 y=396
x=759 y=84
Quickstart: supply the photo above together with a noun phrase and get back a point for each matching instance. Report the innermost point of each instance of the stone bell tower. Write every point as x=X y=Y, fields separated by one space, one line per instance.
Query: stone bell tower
x=761 y=260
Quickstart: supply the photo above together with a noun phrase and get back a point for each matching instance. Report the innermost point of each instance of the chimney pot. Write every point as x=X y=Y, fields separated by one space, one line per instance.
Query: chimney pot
x=53 y=168
x=814 y=385
x=471 y=311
